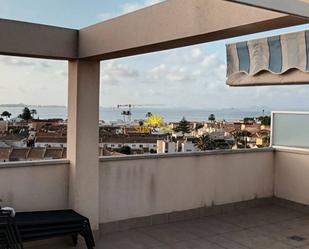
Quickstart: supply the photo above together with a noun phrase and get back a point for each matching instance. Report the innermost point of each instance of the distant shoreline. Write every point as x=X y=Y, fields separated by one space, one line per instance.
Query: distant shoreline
x=24 y=105
x=253 y=108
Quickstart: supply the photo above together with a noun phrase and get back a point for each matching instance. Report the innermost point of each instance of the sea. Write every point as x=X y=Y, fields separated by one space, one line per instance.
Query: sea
x=169 y=114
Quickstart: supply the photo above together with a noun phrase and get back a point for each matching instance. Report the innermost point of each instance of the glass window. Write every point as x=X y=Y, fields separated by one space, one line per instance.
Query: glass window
x=290 y=129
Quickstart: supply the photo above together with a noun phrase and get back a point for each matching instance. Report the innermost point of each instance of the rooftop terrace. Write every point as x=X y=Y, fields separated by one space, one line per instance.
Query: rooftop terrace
x=149 y=202
x=237 y=227
x=235 y=199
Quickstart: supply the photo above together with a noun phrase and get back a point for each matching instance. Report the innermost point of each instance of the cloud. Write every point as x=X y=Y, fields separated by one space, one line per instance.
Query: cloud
x=120 y=70
x=14 y=61
x=114 y=72
x=192 y=69
x=25 y=62
x=193 y=56
x=165 y=73
x=62 y=73
x=210 y=60
x=45 y=64
x=182 y=77
x=24 y=78
x=188 y=67
x=127 y=8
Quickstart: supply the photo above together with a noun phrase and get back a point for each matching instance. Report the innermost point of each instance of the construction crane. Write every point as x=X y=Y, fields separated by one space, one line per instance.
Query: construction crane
x=127 y=114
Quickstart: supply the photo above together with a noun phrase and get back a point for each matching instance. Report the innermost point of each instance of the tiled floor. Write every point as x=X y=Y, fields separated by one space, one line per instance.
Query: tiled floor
x=268 y=227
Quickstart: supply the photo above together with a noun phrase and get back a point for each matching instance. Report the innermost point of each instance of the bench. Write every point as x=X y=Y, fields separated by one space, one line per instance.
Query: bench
x=39 y=225
x=9 y=235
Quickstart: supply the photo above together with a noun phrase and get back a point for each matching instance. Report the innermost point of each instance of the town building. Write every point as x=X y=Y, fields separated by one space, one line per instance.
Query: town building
x=166 y=146
x=138 y=143
x=51 y=141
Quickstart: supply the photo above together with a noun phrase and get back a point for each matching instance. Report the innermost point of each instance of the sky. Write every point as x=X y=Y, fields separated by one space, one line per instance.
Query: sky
x=190 y=77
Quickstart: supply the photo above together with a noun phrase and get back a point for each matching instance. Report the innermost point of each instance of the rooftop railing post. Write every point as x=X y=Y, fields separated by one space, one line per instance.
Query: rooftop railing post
x=83 y=138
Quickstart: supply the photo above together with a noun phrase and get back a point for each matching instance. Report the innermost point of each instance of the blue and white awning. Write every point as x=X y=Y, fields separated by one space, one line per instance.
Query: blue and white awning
x=269 y=60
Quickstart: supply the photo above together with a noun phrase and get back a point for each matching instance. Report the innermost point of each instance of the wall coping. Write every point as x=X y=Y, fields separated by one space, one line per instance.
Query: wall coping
x=33 y=163
x=186 y=154
x=4 y=165
x=292 y=150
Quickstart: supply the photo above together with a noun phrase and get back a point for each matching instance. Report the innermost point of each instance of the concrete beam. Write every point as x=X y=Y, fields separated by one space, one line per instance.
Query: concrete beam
x=298 y=8
x=35 y=40
x=176 y=23
x=170 y=24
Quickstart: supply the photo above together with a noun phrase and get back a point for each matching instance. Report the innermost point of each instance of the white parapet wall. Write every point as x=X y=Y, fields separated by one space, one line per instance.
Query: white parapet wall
x=292 y=175
x=30 y=186
x=137 y=186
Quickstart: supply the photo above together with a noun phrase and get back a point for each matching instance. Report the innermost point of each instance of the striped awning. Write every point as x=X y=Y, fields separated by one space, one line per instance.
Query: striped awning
x=274 y=60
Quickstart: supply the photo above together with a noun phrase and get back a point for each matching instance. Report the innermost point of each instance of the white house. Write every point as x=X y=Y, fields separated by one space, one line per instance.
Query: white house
x=52 y=142
x=188 y=146
x=166 y=147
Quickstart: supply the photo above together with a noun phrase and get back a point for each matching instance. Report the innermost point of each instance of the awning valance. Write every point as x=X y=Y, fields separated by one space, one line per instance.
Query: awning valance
x=274 y=60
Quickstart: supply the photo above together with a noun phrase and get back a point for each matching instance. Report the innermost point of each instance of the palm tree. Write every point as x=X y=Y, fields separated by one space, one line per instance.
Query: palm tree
x=212 y=117
x=205 y=143
x=6 y=114
x=237 y=137
x=266 y=141
x=33 y=112
x=241 y=136
x=148 y=115
x=245 y=135
x=198 y=126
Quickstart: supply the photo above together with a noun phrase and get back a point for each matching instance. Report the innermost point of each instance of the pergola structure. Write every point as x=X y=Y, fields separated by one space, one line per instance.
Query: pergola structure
x=167 y=25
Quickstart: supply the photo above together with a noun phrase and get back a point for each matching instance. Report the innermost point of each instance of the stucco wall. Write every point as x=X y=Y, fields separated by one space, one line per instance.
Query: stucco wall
x=292 y=176
x=140 y=187
x=34 y=185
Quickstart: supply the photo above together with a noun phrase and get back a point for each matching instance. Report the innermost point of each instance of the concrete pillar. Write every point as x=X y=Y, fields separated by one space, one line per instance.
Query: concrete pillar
x=83 y=138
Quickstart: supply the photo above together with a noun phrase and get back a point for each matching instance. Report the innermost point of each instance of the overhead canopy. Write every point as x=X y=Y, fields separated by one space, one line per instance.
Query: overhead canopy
x=274 y=60
x=292 y=7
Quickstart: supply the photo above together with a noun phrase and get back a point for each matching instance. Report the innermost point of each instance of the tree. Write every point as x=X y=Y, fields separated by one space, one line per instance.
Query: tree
x=221 y=144
x=124 y=150
x=198 y=126
x=248 y=120
x=237 y=137
x=266 y=141
x=241 y=138
x=148 y=114
x=265 y=120
x=33 y=112
x=6 y=114
x=212 y=117
x=205 y=143
x=183 y=126
x=26 y=115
